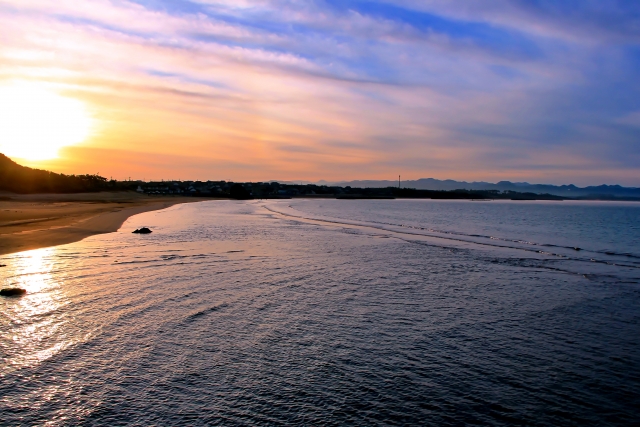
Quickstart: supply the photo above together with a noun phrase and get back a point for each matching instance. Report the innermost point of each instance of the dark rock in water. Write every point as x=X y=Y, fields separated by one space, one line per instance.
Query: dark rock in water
x=577 y=249
x=143 y=230
x=12 y=292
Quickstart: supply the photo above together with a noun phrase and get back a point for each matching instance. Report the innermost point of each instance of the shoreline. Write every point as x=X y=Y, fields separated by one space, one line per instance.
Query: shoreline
x=36 y=221
x=39 y=221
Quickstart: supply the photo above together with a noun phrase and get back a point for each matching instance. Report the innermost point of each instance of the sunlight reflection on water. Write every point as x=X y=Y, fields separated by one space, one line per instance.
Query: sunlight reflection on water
x=37 y=318
x=32 y=269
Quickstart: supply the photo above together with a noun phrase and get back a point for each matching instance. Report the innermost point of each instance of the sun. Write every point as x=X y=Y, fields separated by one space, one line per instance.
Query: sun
x=35 y=122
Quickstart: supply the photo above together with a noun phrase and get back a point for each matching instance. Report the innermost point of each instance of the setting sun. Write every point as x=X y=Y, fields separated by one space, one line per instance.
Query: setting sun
x=36 y=122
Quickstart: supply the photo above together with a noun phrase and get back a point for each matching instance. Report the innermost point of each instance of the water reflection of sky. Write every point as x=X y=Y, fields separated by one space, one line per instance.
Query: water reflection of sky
x=35 y=320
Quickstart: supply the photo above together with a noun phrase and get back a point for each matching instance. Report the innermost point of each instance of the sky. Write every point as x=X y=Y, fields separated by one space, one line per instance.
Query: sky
x=544 y=91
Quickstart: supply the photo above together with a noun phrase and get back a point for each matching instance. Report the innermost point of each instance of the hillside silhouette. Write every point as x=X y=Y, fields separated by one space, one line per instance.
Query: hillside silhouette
x=24 y=180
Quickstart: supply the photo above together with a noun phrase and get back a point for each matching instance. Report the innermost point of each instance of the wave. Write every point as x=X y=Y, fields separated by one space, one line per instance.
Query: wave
x=496 y=238
x=193 y=317
x=590 y=256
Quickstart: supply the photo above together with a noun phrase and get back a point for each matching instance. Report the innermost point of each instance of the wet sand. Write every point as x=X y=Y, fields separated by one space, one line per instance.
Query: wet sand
x=41 y=220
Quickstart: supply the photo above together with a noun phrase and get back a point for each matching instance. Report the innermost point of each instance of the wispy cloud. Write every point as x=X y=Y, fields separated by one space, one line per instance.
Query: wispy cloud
x=350 y=89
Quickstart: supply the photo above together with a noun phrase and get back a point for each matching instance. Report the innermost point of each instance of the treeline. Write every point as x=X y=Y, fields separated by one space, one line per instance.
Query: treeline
x=274 y=189
x=24 y=180
x=281 y=190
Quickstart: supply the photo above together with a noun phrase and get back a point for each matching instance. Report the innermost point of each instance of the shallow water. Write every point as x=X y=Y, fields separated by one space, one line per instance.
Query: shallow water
x=331 y=312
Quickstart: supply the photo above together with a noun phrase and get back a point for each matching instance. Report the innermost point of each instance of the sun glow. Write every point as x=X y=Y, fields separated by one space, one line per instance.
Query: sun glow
x=36 y=122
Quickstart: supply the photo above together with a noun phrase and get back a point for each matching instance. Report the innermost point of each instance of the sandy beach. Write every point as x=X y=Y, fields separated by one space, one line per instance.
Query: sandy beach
x=41 y=220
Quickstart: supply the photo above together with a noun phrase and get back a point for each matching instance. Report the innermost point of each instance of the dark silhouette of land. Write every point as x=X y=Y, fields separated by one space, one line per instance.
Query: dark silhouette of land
x=23 y=180
x=600 y=192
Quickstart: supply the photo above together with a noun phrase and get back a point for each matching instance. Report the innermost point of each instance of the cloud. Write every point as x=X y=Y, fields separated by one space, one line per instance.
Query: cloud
x=339 y=90
x=574 y=20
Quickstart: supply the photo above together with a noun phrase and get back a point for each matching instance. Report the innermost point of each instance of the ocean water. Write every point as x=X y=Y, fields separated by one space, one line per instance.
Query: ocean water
x=331 y=312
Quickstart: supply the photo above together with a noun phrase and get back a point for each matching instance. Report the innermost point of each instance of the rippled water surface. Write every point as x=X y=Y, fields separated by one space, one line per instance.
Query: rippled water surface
x=331 y=312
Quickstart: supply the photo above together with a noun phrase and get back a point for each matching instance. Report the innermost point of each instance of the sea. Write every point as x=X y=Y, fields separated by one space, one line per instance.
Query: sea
x=324 y=312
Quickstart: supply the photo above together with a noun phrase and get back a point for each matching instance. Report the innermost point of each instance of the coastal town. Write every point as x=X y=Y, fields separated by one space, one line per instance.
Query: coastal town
x=275 y=190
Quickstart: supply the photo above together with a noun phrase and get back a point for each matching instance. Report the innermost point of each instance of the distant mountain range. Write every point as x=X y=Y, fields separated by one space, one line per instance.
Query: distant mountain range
x=600 y=191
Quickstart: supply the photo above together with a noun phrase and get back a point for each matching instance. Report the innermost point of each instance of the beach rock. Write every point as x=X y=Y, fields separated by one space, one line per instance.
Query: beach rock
x=143 y=230
x=3 y=265
x=12 y=292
